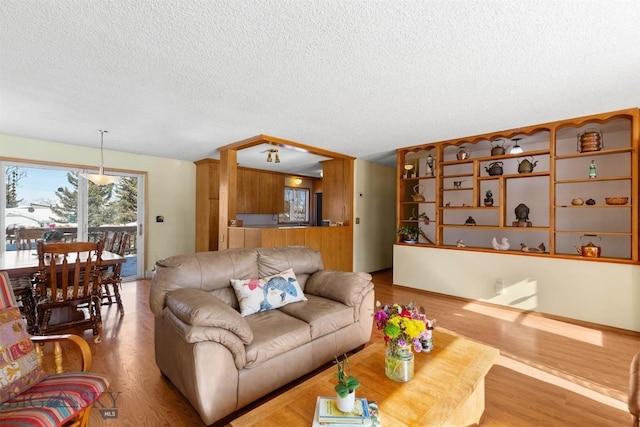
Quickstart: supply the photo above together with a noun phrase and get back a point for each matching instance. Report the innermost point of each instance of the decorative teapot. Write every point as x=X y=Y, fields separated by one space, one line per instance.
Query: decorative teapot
x=499 y=149
x=589 y=250
x=525 y=166
x=417 y=195
x=494 y=168
x=463 y=153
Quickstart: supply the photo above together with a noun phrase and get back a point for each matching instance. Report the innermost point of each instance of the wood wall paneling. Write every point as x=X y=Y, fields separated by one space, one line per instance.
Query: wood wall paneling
x=273 y=237
x=252 y=238
x=313 y=238
x=337 y=190
x=236 y=238
x=294 y=236
x=207 y=204
x=228 y=194
x=336 y=248
x=212 y=230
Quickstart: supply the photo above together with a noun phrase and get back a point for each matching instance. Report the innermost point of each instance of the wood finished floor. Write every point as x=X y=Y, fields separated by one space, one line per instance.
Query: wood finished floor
x=550 y=372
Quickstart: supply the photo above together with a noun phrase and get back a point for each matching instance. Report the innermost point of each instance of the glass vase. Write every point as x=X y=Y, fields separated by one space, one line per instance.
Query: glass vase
x=398 y=362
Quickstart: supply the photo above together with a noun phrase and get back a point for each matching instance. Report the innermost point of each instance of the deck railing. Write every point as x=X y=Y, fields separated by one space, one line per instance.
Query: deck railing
x=70 y=234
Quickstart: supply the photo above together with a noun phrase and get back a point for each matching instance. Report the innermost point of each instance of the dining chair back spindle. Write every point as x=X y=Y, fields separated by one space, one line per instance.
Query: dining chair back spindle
x=109 y=239
x=68 y=286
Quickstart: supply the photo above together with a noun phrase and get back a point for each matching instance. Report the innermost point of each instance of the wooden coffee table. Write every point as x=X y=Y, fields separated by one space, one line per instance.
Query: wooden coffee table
x=446 y=390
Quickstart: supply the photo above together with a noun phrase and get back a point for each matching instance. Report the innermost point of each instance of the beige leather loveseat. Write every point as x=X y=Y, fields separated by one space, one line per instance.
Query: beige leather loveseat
x=221 y=360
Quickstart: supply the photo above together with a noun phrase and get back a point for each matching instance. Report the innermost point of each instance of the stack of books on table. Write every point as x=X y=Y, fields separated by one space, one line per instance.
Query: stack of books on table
x=328 y=415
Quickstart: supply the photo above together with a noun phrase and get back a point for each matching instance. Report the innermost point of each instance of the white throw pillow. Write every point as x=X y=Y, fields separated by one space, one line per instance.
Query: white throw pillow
x=270 y=292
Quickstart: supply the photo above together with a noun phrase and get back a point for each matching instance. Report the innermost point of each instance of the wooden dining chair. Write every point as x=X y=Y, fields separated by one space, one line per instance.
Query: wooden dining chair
x=68 y=286
x=27 y=238
x=109 y=239
x=111 y=281
x=23 y=286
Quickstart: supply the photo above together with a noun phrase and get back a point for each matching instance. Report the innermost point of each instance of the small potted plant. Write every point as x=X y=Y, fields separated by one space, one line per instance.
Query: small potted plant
x=346 y=387
x=410 y=233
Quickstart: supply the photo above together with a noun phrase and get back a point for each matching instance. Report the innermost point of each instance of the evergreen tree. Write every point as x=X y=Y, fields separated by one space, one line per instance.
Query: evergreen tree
x=127 y=200
x=13 y=175
x=66 y=210
x=101 y=209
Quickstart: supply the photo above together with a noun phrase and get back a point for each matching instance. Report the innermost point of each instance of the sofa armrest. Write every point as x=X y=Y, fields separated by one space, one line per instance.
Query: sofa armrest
x=345 y=287
x=199 y=308
x=197 y=334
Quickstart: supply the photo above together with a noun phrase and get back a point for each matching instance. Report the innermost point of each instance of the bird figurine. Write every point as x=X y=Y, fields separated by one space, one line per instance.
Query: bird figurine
x=502 y=246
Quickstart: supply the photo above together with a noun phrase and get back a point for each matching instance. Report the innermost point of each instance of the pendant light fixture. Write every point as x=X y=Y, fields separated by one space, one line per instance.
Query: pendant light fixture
x=271 y=151
x=516 y=149
x=100 y=178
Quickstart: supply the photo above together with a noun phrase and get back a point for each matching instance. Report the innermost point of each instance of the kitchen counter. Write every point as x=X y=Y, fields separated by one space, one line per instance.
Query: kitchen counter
x=332 y=242
x=276 y=226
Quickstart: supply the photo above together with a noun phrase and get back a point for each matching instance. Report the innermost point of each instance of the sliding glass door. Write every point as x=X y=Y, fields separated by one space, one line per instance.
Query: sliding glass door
x=58 y=203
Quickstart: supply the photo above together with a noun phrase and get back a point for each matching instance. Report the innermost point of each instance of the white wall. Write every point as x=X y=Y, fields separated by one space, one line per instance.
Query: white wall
x=374 y=205
x=593 y=291
x=170 y=189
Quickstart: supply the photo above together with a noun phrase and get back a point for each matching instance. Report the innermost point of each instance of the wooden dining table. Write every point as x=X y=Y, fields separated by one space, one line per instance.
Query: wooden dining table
x=25 y=262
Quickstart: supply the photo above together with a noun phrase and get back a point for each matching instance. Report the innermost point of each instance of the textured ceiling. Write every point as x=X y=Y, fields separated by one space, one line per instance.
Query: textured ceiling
x=179 y=78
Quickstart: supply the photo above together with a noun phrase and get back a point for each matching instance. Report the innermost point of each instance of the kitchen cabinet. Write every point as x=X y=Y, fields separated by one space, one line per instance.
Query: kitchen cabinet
x=453 y=210
x=260 y=192
x=248 y=191
x=271 y=193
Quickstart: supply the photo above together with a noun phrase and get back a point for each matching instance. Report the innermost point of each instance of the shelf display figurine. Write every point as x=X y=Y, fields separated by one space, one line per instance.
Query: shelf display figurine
x=470 y=221
x=488 y=198
x=463 y=153
x=423 y=216
x=522 y=216
x=502 y=246
x=540 y=249
x=430 y=166
x=407 y=170
x=592 y=169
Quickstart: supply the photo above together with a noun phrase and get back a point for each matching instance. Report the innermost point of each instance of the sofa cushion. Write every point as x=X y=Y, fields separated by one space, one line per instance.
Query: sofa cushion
x=274 y=333
x=19 y=367
x=322 y=314
x=199 y=308
x=267 y=293
x=303 y=260
x=347 y=288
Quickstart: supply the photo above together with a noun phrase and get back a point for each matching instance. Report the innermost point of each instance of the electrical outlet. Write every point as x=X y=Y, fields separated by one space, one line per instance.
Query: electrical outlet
x=357 y=220
x=499 y=286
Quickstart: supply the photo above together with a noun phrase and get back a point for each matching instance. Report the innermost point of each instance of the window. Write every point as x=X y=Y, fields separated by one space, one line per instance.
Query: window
x=296 y=205
x=42 y=198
